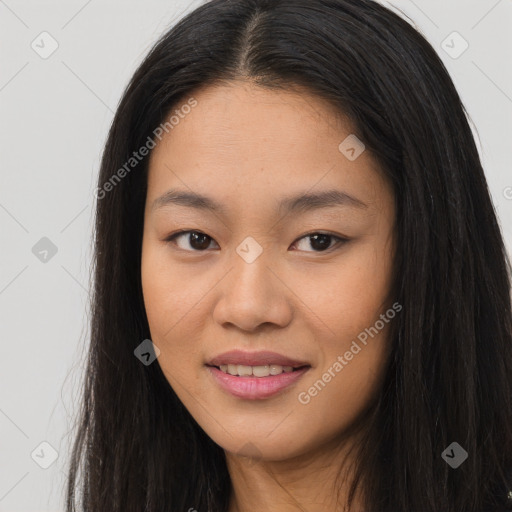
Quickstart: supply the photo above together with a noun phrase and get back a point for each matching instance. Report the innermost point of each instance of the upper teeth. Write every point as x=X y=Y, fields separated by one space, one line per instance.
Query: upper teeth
x=256 y=371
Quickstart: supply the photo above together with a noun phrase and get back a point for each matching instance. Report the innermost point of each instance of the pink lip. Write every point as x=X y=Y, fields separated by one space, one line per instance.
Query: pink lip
x=255 y=359
x=256 y=388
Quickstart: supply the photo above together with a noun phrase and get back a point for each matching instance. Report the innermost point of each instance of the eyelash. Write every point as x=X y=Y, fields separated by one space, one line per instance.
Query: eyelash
x=340 y=240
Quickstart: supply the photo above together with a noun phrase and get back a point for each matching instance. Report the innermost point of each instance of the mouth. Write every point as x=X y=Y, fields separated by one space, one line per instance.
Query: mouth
x=255 y=376
x=260 y=371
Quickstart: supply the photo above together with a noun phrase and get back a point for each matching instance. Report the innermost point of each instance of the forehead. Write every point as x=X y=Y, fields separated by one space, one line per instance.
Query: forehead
x=240 y=115
x=241 y=140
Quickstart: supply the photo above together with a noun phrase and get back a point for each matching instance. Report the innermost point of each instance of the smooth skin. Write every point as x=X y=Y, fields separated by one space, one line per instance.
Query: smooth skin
x=248 y=148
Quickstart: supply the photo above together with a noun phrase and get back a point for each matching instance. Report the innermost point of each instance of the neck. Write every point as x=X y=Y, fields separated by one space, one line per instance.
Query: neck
x=314 y=482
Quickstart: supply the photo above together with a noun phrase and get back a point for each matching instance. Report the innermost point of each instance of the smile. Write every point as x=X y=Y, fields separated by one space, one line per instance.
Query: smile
x=256 y=371
x=255 y=375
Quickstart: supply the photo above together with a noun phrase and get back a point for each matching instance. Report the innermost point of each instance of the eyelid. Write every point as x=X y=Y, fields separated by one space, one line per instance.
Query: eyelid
x=341 y=240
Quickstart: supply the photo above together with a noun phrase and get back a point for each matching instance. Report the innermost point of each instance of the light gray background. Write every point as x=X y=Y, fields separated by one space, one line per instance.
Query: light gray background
x=55 y=114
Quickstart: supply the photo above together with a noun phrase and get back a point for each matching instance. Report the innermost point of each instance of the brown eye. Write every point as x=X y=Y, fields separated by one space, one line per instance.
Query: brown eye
x=321 y=242
x=196 y=240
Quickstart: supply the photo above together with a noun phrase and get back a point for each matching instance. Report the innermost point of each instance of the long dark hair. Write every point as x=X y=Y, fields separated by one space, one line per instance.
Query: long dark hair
x=450 y=373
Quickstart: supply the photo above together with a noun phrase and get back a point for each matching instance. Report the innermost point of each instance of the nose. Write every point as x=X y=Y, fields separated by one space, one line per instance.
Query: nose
x=253 y=294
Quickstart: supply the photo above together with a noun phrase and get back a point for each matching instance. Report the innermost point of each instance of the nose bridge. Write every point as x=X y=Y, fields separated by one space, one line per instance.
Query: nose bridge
x=252 y=295
x=252 y=278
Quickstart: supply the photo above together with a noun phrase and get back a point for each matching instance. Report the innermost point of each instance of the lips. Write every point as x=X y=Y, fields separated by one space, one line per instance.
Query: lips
x=284 y=372
x=240 y=357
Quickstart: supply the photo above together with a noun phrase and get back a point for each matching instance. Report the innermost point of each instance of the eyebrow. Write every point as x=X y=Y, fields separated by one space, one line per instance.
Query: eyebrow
x=297 y=204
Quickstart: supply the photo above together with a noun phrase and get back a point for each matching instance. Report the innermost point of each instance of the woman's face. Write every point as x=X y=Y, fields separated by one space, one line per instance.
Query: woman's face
x=267 y=267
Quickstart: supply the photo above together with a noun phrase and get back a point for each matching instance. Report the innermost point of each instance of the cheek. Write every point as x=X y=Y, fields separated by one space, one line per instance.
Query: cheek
x=336 y=402
x=351 y=307
x=168 y=295
x=169 y=305
x=354 y=294
x=159 y=290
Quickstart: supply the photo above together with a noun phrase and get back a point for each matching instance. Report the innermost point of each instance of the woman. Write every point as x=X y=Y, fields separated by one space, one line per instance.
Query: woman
x=302 y=297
